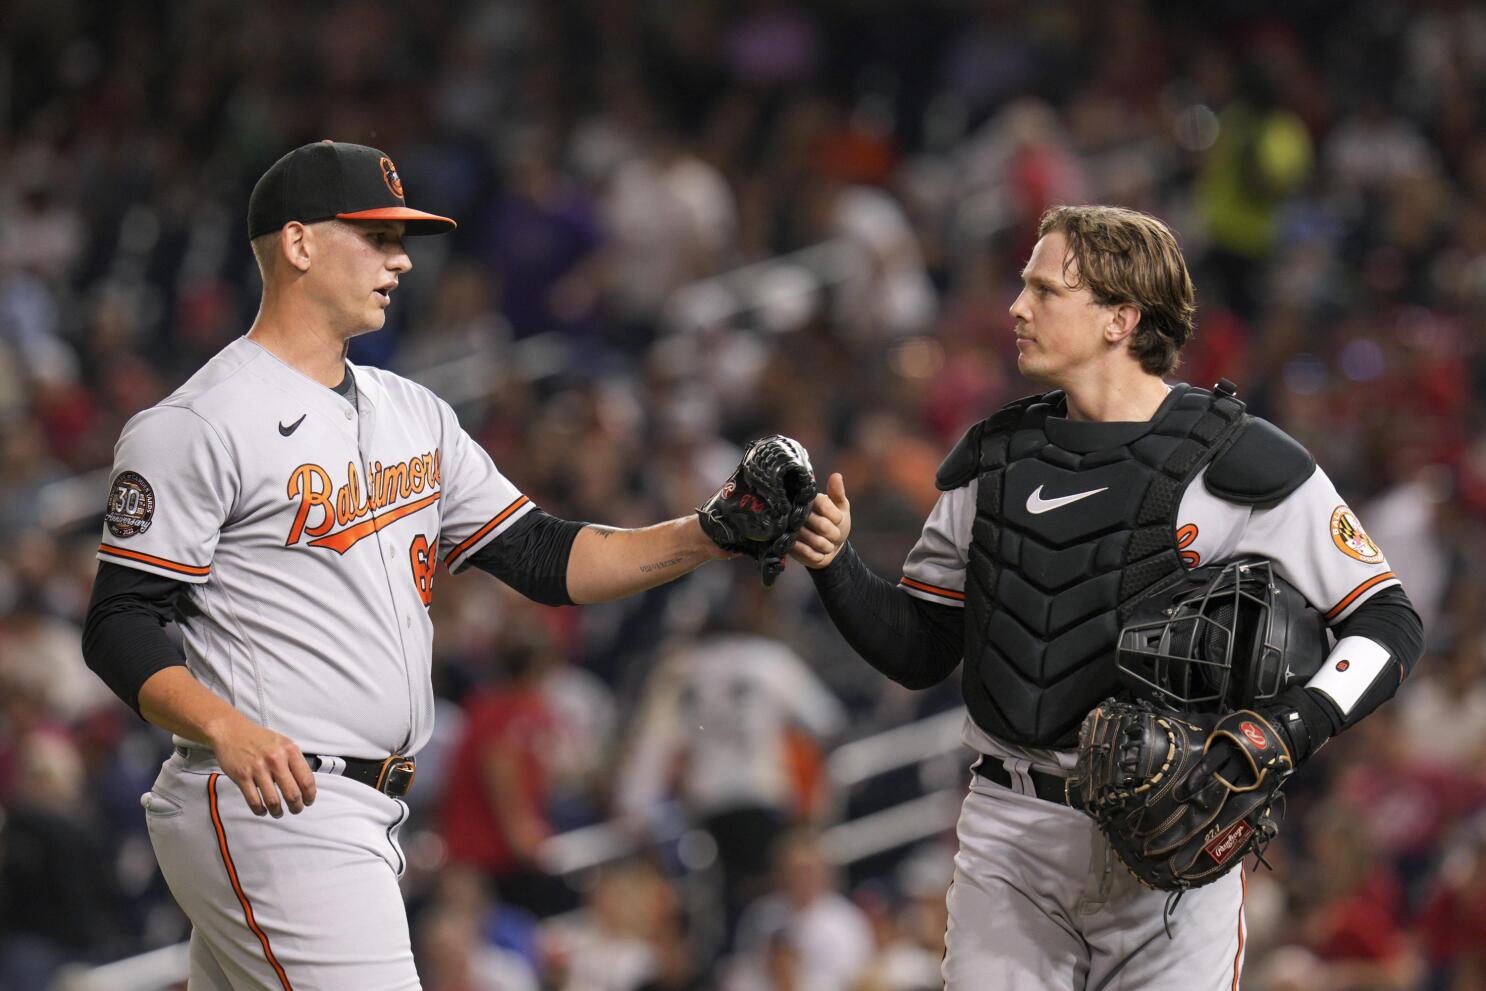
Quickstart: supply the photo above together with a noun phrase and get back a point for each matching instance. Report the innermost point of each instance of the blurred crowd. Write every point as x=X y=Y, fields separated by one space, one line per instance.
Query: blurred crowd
x=682 y=226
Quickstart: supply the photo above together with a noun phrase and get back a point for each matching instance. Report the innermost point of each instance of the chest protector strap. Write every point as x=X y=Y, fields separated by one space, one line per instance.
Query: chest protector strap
x=1073 y=523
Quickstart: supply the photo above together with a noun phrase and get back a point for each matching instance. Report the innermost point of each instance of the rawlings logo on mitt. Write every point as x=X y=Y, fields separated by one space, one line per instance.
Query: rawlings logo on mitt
x=759 y=510
x=1181 y=801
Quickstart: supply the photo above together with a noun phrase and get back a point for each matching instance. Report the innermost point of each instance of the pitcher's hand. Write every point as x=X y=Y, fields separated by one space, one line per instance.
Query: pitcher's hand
x=267 y=766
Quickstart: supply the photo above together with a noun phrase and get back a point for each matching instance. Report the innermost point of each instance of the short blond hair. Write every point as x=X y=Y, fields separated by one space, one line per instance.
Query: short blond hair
x=1125 y=256
x=264 y=246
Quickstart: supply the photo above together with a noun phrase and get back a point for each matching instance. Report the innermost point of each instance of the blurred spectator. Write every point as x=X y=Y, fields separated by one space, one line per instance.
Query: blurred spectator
x=721 y=717
x=58 y=901
x=541 y=239
x=458 y=349
x=464 y=892
x=41 y=655
x=1443 y=716
x=1355 y=919
x=495 y=809
x=1291 y=968
x=885 y=291
x=910 y=936
x=1261 y=157
x=1453 y=919
x=579 y=761
x=451 y=957
x=672 y=220
x=806 y=928
x=1375 y=146
x=1405 y=805
x=628 y=937
x=41 y=230
x=1406 y=517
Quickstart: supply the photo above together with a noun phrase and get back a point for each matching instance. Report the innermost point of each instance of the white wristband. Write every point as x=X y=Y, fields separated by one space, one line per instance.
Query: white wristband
x=1350 y=670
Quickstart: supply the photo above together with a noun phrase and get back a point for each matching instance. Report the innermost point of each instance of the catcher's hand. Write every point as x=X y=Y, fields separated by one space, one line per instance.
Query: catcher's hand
x=826 y=528
x=760 y=508
x=1181 y=799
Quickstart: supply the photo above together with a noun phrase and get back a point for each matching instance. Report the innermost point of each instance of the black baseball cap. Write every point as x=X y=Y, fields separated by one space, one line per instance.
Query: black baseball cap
x=332 y=180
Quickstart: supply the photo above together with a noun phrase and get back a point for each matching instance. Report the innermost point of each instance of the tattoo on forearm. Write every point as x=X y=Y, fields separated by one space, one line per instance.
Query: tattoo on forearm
x=660 y=565
x=603 y=531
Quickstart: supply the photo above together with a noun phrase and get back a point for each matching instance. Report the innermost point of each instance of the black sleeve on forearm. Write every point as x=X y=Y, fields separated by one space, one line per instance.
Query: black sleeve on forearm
x=913 y=642
x=124 y=640
x=532 y=557
x=1389 y=619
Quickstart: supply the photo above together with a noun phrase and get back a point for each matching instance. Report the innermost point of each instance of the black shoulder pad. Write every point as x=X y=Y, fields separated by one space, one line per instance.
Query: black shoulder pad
x=963 y=462
x=1262 y=466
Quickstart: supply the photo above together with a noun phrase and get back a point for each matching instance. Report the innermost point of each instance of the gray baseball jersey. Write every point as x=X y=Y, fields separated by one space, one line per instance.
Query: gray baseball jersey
x=310 y=531
x=1317 y=542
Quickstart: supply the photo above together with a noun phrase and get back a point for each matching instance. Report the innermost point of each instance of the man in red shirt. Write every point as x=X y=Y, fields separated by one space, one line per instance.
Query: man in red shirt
x=494 y=813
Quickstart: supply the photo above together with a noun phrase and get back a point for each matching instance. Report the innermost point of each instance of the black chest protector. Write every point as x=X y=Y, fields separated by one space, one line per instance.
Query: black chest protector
x=1073 y=523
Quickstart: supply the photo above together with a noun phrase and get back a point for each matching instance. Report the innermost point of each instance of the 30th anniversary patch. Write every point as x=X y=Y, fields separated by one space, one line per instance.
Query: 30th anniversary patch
x=131 y=505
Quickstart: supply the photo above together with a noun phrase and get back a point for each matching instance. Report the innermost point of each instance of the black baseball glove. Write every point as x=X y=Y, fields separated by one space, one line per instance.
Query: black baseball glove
x=1181 y=799
x=760 y=508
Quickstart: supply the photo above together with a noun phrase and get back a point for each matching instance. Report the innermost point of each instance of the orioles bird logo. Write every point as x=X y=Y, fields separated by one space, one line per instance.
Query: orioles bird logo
x=390 y=176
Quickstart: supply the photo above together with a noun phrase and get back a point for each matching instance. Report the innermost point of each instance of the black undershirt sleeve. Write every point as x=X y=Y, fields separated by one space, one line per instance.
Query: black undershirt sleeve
x=124 y=640
x=913 y=642
x=532 y=557
x=1389 y=619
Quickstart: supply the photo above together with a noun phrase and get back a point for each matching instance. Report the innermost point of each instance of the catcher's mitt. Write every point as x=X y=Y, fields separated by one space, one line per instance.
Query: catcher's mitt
x=1181 y=802
x=760 y=508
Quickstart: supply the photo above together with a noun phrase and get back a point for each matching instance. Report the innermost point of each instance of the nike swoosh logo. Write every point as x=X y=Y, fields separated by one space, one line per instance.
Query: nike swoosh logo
x=1036 y=505
x=286 y=431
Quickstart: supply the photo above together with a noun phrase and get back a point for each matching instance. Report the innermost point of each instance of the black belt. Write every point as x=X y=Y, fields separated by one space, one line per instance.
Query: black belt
x=1049 y=787
x=392 y=776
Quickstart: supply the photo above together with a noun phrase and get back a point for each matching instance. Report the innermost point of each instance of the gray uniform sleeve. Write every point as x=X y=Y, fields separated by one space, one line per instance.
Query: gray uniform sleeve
x=1320 y=546
x=1315 y=539
x=479 y=503
x=935 y=568
x=173 y=486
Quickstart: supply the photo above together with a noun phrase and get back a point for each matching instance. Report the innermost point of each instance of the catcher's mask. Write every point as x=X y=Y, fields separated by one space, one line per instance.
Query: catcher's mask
x=1220 y=638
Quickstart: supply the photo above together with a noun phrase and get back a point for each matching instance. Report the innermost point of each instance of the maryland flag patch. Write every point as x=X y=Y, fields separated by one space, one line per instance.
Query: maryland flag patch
x=1351 y=539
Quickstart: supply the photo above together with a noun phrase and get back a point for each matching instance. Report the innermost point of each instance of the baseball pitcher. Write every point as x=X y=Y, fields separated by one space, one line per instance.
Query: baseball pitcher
x=288 y=509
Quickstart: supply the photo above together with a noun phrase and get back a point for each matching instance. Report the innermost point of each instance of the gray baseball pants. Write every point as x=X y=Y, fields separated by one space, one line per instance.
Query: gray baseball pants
x=1040 y=902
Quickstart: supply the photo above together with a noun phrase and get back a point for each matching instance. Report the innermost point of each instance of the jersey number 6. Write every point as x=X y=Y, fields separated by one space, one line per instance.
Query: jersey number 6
x=424 y=564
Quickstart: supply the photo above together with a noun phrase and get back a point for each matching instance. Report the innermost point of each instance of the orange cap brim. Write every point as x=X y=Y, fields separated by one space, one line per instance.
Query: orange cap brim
x=418 y=222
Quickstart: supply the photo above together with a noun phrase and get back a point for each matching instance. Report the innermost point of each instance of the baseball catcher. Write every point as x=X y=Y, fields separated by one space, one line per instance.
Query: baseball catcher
x=1058 y=515
x=760 y=508
x=1185 y=780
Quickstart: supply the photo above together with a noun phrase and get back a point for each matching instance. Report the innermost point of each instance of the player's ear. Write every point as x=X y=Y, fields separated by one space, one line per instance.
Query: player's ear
x=1123 y=320
x=295 y=242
